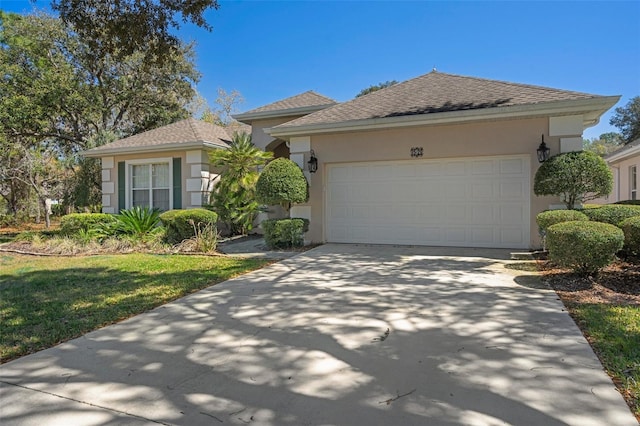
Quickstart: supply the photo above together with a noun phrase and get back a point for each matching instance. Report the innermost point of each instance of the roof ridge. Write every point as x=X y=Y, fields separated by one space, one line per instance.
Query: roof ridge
x=512 y=83
x=196 y=133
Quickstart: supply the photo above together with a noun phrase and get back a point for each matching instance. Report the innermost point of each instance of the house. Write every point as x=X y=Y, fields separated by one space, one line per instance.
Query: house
x=166 y=168
x=441 y=159
x=625 y=164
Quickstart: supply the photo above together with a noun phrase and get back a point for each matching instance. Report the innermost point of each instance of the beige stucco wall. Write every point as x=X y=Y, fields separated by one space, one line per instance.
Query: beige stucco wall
x=622 y=188
x=509 y=137
x=258 y=135
x=195 y=172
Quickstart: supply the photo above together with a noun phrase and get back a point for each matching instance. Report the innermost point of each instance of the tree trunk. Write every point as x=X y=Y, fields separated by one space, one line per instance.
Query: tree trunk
x=47 y=218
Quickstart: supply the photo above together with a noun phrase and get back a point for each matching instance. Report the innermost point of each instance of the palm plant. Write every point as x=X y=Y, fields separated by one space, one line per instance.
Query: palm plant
x=138 y=221
x=234 y=197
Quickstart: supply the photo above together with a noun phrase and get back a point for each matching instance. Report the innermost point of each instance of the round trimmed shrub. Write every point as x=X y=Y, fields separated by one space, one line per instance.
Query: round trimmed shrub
x=180 y=224
x=585 y=247
x=631 y=229
x=282 y=182
x=76 y=222
x=550 y=217
x=612 y=213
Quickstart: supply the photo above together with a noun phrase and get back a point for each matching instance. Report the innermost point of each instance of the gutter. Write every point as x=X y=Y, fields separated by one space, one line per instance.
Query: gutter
x=249 y=116
x=594 y=105
x=98 y=152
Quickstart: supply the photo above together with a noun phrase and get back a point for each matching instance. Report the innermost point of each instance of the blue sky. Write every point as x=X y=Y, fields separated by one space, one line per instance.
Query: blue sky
x=269 y=50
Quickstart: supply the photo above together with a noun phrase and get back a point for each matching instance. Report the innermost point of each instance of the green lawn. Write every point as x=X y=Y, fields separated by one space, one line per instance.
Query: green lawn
x=614 y=332
x=48 y=300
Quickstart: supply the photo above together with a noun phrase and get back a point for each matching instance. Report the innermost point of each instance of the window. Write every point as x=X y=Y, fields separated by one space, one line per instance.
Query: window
x=149 y=184
x=633 y=182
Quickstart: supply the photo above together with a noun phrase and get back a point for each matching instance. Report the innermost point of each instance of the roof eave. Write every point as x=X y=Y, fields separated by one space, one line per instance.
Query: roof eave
x=248 y=117
x=153 y=148
x=591 y=108
x=623 y=155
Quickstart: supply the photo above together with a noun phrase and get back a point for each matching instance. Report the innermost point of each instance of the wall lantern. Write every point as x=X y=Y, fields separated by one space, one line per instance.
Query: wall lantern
x=543 y=151
x=313 y=162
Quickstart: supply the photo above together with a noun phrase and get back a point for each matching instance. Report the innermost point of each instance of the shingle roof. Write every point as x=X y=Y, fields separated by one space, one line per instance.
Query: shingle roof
x=306 y=99
x=627 y=149
x=184 y=132
x=433 y=93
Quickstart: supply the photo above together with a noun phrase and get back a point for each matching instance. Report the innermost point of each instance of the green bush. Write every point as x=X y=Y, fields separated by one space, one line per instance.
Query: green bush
x=576 y=177
x=180 y=223
x=551 y=217
x=282 y=182
x=585 y=247
x=631 y=229
x=629 y=202
x=284 y=233
x=76 y=222
x=612 y=213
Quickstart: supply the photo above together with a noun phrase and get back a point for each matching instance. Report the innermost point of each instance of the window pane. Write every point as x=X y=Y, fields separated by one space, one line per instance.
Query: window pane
x=160 y=176
x=141 y=197
x=161 y=199
x=140 y=176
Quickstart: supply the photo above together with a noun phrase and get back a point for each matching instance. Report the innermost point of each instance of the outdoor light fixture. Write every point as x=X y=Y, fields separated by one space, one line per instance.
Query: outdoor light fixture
x=543 y=151
x=313 y=162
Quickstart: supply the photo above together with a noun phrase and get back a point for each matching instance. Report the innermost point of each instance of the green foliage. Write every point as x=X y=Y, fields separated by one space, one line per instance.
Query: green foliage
x=603 y=145
x=550 y=217
x=629 y=202
x=575 y=177
x=76 y=222
x=282 y=182
x=132 y=25
x=185 y=224
x=59 y=96
x=612 y=213
x=138 y=221
x=234 y=198
x=376 y=87
x=284 y=233
x=585 y=247
x=631 y=229
x=627 y=119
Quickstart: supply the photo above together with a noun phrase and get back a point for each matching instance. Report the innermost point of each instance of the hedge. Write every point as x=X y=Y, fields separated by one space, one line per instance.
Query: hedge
x=551 y=217
x=629 y=202
x=284 y=233
x=612 y=213
x=585 y=247
x=631 y=229
x=179 y=224
x=75 y=222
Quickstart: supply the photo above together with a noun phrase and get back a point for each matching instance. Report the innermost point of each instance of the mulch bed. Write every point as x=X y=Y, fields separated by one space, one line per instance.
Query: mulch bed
x=617 y=284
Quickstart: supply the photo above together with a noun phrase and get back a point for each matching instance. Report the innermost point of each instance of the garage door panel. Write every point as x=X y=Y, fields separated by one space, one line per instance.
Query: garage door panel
x=460 y=202
x=515 y=166
x=512 y=190
x=483 y=167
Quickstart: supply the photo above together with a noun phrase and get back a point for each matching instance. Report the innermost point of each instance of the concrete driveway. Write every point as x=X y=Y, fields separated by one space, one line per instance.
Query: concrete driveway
x=339 y=335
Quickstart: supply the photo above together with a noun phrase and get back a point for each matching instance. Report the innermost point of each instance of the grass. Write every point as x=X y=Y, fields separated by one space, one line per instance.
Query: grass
x=45 y=301
x=614 y=333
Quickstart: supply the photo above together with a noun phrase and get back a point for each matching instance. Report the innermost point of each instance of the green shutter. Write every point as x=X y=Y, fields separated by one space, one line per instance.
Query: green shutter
x=177 y=183
x=121 y=186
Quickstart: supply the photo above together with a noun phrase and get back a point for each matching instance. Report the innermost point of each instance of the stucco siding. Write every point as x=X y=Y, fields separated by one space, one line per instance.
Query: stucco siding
x=188 y=169
x=624 y=178
x=512 y=137
x=258 y=135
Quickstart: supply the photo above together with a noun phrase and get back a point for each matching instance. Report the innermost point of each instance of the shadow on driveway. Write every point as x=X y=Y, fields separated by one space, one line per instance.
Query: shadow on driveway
x=339 y=335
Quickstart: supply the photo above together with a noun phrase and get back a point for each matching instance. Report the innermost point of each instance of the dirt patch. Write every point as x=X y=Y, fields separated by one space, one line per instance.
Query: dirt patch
x=617 y=284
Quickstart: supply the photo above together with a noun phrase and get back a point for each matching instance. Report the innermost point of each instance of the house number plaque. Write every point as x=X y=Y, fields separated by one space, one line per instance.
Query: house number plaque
x=417 y=151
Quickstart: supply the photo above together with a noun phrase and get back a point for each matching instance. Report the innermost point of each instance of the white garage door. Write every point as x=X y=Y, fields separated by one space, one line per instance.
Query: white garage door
x=465 y=202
